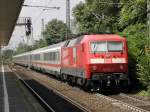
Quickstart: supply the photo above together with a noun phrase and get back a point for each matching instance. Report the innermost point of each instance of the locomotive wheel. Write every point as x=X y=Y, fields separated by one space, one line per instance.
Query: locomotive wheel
x=124 y=85
x=69 y=80
x=63 y=77
x=81 y=82
x=73 y=80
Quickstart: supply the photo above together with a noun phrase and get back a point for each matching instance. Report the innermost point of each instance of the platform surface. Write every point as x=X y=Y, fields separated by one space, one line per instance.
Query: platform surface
x=14 y=96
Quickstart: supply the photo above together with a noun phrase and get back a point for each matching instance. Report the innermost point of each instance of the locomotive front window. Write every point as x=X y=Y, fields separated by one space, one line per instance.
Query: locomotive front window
x=98 y=46
x=115 y=46
x=107 y=46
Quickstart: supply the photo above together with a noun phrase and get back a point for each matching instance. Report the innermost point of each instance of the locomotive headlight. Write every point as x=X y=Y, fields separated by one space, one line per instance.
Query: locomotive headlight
x=96 y=60
x=118 y=60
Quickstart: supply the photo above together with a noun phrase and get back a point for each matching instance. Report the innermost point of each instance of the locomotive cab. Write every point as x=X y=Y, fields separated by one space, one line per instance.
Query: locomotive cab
x=108 y=61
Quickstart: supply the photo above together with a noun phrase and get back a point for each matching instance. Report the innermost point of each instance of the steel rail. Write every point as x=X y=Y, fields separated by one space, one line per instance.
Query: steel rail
x=56 y=92
x=122 y=104
x=68 y=99
x=47 y=105
x=135 y=99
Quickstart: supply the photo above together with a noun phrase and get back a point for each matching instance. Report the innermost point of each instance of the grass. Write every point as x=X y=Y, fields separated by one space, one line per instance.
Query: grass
x=144 y=93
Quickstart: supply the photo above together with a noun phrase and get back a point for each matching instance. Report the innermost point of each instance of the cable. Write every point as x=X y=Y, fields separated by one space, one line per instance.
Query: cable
x=113 y=3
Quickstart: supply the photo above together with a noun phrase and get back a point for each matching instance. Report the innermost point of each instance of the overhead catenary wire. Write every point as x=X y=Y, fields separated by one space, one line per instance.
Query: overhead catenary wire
x=114 y=3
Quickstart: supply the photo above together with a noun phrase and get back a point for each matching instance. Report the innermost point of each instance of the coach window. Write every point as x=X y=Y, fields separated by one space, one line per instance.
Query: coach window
x=58 y=56
x=35 y=57
x=51 y=56
x=56 y=53
x=48 y=55
x=38 y=57
x=45 y=56
x=54 y=56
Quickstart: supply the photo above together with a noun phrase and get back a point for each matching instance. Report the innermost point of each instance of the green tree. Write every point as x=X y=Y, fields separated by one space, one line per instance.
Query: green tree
x=39 y=44
x=22 y=47
x=132 y=23
x=55 y=32
x=136 y=36
x=132 y=12
x=7 y=55
x=144 y=70
x=97 y=16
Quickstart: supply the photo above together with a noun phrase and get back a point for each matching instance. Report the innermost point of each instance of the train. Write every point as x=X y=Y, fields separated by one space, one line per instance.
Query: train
x=95 y=61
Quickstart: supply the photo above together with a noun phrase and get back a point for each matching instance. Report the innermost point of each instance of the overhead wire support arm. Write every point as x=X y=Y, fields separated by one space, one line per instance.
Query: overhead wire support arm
x=46 y=7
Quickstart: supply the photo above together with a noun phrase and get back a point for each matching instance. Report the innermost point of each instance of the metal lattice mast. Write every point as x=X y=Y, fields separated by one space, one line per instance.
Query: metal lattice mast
x=67 y=15
x=42 y=28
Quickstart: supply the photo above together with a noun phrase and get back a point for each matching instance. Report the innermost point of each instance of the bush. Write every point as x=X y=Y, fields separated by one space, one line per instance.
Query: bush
x=144 y=70
x=139 y=62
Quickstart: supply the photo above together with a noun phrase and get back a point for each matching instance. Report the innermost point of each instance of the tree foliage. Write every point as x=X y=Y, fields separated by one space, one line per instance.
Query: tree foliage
x=7 y=55
x=144 y=70
x=39 y=44
x=132 y=12
x=22 y=47
x=94 y=16
x=132 y=23
x=136 y=48
x=55 y=31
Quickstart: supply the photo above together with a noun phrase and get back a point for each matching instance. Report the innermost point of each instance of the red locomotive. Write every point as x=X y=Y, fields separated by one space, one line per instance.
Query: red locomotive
x=100 y=60
x=94 y=61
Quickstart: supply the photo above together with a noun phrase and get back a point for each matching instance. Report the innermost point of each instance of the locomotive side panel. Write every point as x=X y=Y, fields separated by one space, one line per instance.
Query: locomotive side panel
x=73 y=59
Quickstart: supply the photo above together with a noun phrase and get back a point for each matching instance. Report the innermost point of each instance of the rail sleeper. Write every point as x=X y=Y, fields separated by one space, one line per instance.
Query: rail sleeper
x=122 y=104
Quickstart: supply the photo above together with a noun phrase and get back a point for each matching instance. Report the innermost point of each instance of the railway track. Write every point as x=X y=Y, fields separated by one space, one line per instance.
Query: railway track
x=117 y=103
x=127 y=102
x=50 y=100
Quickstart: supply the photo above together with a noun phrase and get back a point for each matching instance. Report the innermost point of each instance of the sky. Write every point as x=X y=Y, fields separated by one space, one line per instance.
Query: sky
x=36 y=15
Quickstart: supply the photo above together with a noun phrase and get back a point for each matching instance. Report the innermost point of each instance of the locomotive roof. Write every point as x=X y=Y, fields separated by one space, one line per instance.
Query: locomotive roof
x=83 y=38
x=105 y=36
